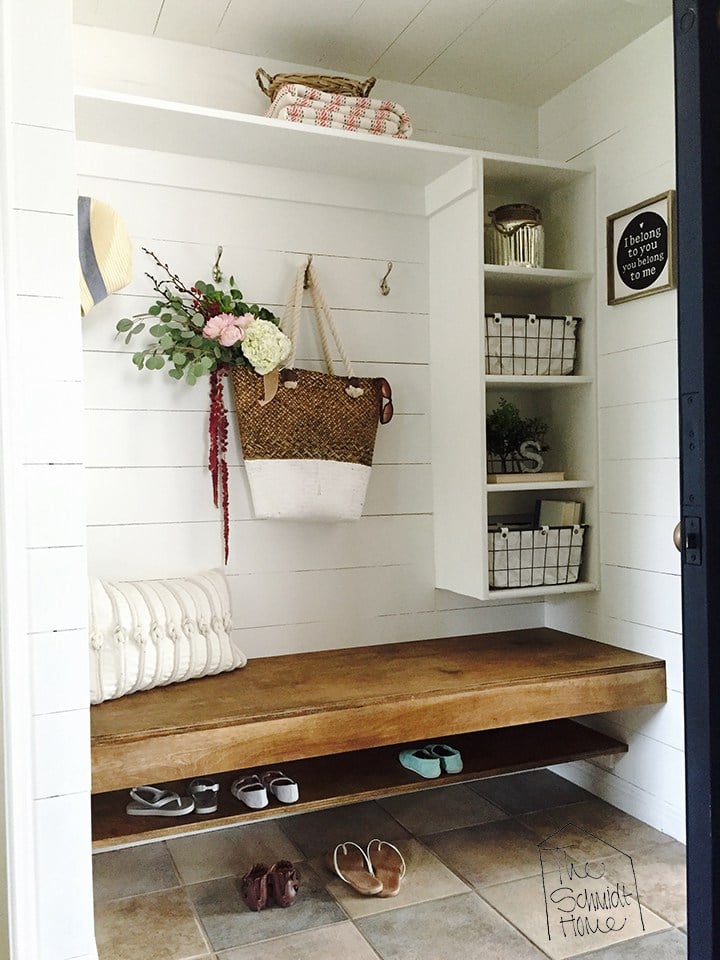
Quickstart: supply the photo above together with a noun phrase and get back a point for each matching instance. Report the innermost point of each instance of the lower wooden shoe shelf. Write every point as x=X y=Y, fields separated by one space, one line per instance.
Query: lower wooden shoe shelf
x=336 y=720
x=344 y=778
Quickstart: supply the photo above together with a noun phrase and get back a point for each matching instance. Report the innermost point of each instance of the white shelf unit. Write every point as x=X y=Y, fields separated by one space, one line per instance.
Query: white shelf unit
x=450 y=188
x=464 y=500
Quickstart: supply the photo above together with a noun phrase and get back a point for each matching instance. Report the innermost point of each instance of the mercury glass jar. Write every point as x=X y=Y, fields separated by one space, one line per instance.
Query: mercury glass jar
x=515 y=236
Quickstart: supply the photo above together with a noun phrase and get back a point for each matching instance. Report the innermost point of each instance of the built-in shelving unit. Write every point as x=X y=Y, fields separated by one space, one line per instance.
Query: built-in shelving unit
x=464 y=500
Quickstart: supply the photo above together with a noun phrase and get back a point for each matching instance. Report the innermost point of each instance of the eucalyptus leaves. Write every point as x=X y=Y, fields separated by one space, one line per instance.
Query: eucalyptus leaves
x=202 y=328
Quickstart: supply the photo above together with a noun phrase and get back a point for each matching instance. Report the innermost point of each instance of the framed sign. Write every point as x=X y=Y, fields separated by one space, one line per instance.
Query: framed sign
x=641 y=249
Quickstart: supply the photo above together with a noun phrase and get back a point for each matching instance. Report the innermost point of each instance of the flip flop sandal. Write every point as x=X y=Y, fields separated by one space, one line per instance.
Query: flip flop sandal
x=251 y=791
x=350 y=862
x=449 y=757
x=281 y=786
x=204 y=791
x=152 y=802
x=283 y=883
x=388 y=866
x=254 y=887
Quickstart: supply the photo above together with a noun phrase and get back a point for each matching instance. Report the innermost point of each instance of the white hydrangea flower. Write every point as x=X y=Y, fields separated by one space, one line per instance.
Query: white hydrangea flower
x=265 y=346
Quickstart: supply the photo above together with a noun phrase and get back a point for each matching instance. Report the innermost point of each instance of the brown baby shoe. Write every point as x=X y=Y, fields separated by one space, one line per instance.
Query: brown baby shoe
x=254 y=887
x=284 y=883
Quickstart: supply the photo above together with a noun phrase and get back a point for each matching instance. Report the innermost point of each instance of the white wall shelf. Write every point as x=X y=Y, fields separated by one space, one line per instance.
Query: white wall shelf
x=130 y=121
x=501 y=279
x=529 y=486
x=535 y=382
x=518 y=593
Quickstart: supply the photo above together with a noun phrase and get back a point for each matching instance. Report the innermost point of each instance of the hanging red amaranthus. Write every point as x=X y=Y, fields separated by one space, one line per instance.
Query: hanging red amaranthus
x=217 y=461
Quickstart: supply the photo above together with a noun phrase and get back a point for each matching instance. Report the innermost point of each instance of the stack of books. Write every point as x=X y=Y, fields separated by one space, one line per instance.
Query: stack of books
x=557 y=513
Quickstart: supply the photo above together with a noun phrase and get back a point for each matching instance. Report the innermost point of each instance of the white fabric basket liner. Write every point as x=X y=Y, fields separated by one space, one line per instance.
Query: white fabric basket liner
x=530 y=345
x=534 y=558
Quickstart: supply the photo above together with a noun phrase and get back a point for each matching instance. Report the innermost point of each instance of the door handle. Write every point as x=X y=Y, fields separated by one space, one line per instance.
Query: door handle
x=677 y=536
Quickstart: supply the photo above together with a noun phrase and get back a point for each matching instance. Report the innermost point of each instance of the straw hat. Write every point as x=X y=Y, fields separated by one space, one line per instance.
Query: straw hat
x=105 y=252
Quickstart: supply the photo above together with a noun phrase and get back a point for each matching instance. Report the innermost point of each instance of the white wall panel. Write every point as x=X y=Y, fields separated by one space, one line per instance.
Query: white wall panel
x=47 y=317
x=641 y=375
x=649 y=487
x=640 y=542
x=60 y=671
x=630 y=140
x=55 y=502
x=53 y=423
x=57 y=770
x=42 y=97
x=56 y=587
x=44 y=169
x=64 y=876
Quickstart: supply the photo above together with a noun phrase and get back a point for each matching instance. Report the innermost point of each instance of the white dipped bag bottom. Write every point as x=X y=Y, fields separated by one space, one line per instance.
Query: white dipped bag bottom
x=307 y=489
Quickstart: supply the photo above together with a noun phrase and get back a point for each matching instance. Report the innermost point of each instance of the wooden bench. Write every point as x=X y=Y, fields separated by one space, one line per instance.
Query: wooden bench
x=334 y=719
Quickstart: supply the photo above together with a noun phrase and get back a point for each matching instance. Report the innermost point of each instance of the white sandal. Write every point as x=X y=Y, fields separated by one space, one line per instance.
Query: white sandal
x=150 y=801
x=284 y=788
x=251 y=791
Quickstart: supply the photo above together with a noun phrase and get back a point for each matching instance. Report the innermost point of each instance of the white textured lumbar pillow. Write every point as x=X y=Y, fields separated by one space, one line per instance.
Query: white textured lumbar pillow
x=147 y=633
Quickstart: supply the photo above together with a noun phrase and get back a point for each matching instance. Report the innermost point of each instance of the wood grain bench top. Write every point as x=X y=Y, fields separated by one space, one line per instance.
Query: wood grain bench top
x=313 y=704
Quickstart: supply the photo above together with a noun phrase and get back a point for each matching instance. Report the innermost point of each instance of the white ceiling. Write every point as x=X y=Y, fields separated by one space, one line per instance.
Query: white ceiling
x=519 y=51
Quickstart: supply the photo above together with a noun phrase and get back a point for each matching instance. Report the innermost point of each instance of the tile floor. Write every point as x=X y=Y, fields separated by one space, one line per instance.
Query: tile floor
x=477 y=881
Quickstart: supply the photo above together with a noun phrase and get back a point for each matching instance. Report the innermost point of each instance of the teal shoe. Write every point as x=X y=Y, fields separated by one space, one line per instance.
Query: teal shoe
x=421 y=761
x=449 y=757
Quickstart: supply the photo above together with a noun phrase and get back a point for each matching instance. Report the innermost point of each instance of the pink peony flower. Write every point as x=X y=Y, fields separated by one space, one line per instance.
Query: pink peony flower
x=226 y=328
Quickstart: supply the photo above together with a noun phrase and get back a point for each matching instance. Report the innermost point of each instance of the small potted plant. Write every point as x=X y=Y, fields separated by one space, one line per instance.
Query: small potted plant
x=515 y=444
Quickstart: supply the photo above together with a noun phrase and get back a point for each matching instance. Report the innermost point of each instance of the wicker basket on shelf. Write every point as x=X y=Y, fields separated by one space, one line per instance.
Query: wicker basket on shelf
x=350 y=88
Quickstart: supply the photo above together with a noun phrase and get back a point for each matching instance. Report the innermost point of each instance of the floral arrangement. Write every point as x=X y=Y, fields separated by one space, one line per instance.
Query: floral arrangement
x=205 y=329
x=201 y=328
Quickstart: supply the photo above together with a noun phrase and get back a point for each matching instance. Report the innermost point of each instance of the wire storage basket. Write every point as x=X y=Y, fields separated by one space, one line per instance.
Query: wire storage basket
x=523 y=556
x=530 y=345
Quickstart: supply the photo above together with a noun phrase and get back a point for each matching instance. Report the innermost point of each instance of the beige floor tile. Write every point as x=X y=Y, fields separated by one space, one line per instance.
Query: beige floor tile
x=661 y=881
x=666 y=945
x=316 y=833
x=133 y=872
x=229 y=923
x=159 y=925
x=489 y=853
x=601 y=820
x=426 y=879
x=341 y=940
x=533 y=790
x=456 y=928
x=231 y=852
x=565 y=929
x=446 y=808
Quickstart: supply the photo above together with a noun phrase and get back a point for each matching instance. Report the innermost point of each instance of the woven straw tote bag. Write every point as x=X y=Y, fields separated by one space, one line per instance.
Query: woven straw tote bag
x=308 y=437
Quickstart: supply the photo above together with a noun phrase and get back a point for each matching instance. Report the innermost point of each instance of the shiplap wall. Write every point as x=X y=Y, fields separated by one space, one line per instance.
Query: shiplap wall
x=294 y=586
x=46 y=781
x=190 y=73
x=620 y=117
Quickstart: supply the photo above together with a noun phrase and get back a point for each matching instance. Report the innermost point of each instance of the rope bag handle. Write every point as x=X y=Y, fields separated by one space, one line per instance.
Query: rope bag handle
x=324 y=323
